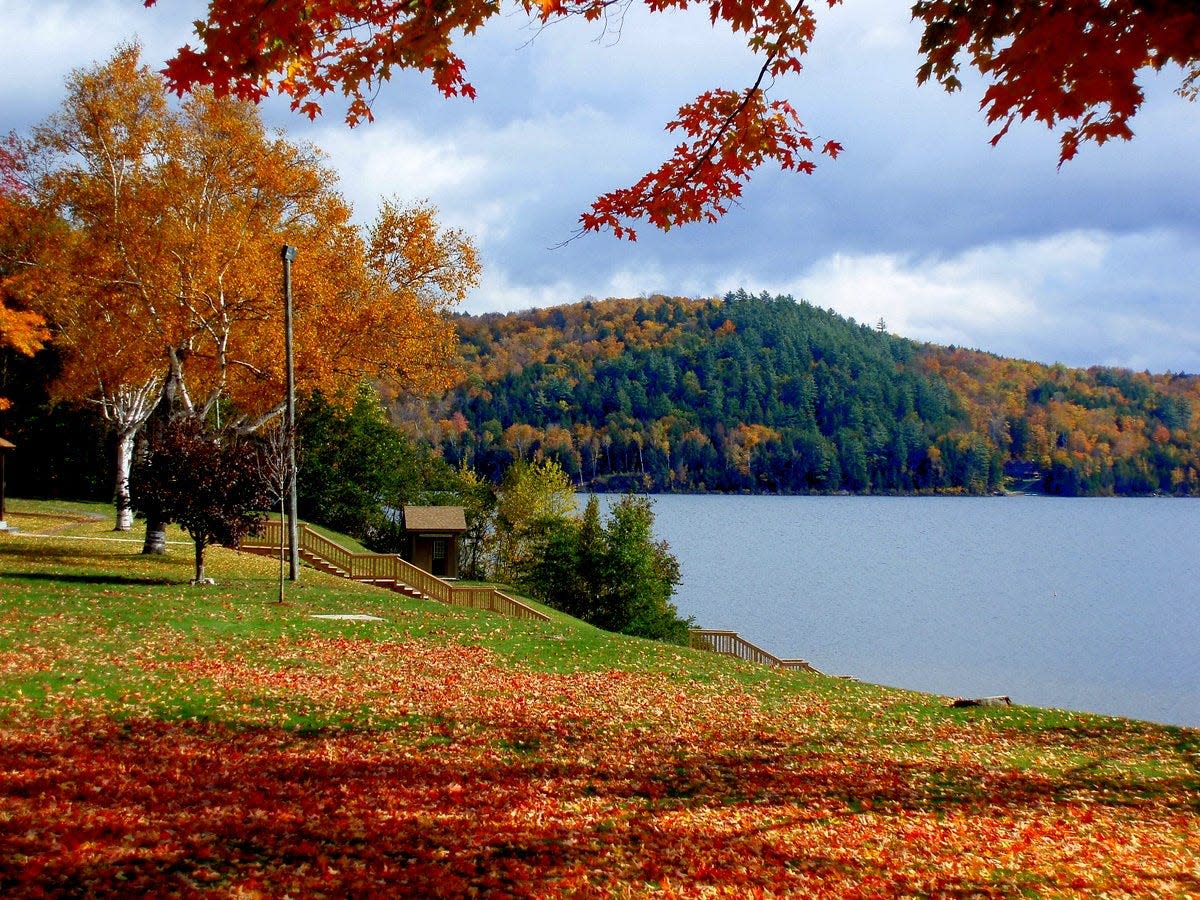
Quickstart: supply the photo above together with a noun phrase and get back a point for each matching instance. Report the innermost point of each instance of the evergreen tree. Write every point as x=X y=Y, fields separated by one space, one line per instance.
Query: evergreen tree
x=615 y=575
x=356 y=468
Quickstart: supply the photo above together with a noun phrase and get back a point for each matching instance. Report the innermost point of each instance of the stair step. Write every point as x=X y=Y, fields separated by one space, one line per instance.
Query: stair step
x=393 y=584
x=321 y=564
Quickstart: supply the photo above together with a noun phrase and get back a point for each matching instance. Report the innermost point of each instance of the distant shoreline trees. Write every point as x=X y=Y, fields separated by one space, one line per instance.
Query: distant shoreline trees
x=766 y=395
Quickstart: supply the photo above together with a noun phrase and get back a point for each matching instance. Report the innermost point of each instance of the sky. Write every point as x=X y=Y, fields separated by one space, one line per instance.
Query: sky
x=920 y=222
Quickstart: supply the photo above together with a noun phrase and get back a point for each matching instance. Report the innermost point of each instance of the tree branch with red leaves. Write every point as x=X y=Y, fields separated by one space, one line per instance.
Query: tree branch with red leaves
x=1072 y=65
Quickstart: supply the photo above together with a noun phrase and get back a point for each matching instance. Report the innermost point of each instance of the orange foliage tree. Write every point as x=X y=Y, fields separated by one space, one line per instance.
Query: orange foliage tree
x=167 y=271
x=1074 y=63
x=21 y=329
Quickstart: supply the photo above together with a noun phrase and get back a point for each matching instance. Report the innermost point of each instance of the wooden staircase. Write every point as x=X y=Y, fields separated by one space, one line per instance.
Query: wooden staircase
x=305 y=556
x=386 y=570
x=393 y=573
x=730 y=643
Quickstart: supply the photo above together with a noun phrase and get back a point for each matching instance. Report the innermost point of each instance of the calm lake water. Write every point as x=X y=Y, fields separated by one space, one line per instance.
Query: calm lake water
x=1083 y=604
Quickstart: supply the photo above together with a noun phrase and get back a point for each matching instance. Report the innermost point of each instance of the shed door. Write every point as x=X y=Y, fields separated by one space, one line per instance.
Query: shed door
x=438 y=566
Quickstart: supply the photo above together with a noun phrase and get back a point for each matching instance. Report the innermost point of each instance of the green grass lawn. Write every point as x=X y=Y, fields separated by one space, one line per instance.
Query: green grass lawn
x=163 y=738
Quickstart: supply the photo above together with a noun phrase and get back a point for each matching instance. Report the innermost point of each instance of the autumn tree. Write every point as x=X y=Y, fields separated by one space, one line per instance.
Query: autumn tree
x=21 y=329
x=1073 y=65
x=168 y=272
x=212 y=485
x=531 y=495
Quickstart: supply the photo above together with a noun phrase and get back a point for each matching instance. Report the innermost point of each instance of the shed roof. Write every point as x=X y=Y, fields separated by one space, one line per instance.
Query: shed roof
x=435 y=518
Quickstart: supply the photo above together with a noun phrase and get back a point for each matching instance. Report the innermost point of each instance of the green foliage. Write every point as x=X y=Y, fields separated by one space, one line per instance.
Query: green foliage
x=638 y=576
x=746 y=393
x=765 y=394
x=354 y=465
x=554 y=572
x=615 y=575
x=533 y=497
x=478 y=500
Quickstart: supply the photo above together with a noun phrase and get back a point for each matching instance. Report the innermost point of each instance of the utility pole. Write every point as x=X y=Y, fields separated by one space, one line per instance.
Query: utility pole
x=288 y=254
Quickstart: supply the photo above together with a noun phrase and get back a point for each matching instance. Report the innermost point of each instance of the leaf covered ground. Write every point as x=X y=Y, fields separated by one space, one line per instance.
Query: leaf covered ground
x=158 y=738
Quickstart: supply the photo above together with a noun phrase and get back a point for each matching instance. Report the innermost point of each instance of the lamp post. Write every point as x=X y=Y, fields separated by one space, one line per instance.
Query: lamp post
x=288 y=254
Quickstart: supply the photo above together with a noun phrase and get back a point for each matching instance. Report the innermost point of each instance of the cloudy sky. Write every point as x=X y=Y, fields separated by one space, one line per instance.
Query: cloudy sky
x=920 y=222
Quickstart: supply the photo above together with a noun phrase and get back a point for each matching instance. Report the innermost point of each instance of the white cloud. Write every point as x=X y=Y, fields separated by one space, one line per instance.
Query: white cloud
x=499 y=183
x=44 y=41
x=1079 y=297
x=393 y=159
x=933 y=301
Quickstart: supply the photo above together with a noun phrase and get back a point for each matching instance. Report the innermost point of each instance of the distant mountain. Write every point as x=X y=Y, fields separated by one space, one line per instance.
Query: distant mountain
x=760 y=393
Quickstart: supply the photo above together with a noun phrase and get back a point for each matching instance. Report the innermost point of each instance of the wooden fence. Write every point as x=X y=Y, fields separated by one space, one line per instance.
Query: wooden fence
x=388 y=570
x=731 y=643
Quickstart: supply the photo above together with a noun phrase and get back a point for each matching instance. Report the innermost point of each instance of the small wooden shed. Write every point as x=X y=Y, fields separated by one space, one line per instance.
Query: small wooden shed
x=433 y=533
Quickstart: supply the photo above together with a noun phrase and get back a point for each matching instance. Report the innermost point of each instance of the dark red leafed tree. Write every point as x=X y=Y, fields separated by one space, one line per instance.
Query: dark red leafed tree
x=211 y=485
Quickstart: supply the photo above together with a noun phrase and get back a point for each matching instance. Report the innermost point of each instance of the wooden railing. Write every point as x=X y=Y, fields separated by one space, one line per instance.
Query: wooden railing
x=731 y=643
x=384 y=568
x=319 y=545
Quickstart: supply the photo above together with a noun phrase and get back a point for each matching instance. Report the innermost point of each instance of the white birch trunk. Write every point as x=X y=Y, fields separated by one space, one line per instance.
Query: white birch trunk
x=127 y=408
x=123 y=500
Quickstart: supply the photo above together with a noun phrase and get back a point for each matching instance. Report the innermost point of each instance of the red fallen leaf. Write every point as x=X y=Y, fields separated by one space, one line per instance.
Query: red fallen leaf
x=497 y=812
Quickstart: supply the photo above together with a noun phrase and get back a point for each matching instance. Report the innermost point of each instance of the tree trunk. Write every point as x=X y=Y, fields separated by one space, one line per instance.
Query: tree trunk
x=124 y=502
x=156 y=536
x=156 y=528
x=199 y=563
x=282 y=538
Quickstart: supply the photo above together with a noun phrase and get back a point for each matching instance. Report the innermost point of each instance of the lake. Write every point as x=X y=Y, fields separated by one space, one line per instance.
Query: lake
x=1083 y=604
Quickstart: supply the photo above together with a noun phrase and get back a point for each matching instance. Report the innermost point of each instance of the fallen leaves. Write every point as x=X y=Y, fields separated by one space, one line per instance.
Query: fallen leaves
x=453 y=772
x=155 y=743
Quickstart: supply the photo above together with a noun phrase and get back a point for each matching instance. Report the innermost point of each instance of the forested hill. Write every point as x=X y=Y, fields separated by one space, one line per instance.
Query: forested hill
x=767 y=394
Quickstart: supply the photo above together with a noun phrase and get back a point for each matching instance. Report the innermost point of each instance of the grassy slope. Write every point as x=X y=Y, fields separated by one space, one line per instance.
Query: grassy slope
x=160 y=737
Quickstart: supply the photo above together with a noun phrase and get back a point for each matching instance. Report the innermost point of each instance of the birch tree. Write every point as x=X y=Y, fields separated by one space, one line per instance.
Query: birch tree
x=170 y=271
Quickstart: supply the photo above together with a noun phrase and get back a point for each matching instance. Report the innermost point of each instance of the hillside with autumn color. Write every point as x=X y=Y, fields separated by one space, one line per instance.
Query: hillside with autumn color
x=759 y=393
